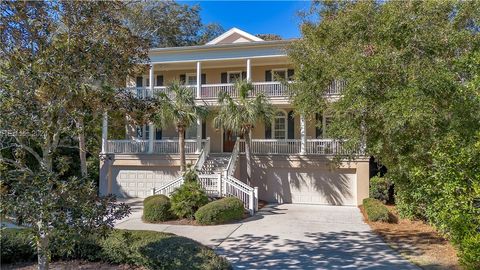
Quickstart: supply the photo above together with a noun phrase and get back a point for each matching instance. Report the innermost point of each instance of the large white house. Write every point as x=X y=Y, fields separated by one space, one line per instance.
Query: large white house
x=292 y=157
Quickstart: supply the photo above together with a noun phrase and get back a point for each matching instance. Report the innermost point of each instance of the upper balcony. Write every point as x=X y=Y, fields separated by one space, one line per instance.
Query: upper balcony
x=214 y=67
x=277 y=92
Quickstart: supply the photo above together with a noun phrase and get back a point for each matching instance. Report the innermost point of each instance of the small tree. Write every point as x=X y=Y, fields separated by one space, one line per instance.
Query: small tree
x=177 y=107
x=66 y=208
x=242 y=114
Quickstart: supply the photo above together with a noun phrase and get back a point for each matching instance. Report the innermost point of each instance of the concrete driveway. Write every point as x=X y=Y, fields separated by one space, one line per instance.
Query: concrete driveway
x=291 y=236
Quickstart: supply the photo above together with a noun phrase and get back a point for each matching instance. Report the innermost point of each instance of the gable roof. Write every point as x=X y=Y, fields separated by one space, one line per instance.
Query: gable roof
x=234 y=35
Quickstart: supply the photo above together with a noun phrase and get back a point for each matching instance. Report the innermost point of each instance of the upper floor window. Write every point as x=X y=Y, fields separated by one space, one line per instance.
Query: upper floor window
x=191 y=79
x=234 y=76
x=279 y=74
x=280 y=126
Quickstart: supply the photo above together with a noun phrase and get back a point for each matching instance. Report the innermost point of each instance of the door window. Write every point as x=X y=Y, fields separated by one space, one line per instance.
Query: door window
x=280 y=126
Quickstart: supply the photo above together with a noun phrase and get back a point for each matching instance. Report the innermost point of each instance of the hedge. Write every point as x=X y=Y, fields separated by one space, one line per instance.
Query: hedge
x=220 y=211
x=152 y=250
x=375 y=210
x=157 y=208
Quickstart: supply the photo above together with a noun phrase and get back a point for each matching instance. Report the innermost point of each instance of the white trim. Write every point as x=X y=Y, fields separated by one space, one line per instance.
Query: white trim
x=192 y=75
x=233 y=31
x=285 y=114
x=222 y=59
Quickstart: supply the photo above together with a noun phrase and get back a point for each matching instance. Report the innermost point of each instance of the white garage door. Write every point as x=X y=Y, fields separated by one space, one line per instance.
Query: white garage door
x=312 y=186
x=138 y=183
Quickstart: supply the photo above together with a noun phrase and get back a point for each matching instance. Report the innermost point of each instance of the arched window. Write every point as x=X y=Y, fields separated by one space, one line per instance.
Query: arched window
x=280 y=125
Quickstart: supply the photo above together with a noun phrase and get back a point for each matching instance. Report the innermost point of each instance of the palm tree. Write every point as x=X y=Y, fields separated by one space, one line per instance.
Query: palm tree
x=177 y=106
x=240 y=115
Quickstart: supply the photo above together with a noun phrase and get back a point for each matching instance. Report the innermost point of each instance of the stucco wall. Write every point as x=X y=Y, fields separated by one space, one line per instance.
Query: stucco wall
x=264 y=165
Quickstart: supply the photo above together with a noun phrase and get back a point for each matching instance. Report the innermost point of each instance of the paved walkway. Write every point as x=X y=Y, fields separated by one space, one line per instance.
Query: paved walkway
x=290 y=236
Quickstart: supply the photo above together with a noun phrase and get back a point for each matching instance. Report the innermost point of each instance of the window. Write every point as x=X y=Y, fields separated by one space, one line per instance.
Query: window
x=278 y=74
x=280 y=126
x=191 y=79
x=234 y=76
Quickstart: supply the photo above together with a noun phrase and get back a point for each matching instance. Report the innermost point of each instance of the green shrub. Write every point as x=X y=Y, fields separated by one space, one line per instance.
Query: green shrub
x=221 y=211
x=146 y=200
x=375 y=210
x=155 y=250
x=152 y=250
x=380 y=189
x=470 y=252
x=187 y=199
x=17 y=245
x=157 y=208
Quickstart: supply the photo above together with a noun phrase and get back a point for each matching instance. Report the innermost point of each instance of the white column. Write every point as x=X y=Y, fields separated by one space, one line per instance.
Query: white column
x=151 y=137
x=303 y=135
x=104 y=132
x=199 y=134
x=249 y=71
x=199 y=79
x=152 y=78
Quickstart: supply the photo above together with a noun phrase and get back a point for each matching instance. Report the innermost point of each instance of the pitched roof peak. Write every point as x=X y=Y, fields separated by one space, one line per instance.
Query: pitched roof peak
x=234 y=35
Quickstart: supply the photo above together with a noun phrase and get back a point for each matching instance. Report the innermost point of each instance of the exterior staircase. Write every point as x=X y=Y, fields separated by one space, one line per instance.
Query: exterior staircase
x=215 y=163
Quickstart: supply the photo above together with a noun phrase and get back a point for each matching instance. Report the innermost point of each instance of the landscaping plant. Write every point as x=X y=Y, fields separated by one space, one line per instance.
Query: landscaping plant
x=411 y=98
x=220 y=211
x=189 y=197
x=375 y=210
x=380 y=188
x=157 y=208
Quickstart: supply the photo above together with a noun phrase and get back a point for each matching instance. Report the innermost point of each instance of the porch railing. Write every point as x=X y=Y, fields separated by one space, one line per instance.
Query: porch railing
x=211 y=91
x=279 y=147
x=141 y=146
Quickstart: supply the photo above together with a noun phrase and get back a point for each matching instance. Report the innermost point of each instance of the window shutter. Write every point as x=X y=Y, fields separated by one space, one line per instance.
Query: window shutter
x=318 y=125
x=204 y=130
x=291 y=125
x=223 y=77
x=268 y=131
x=139 y=81
x=244 y=75
x=159 y=80
x=204 y=78
x=268 y=75
x=183 y=78
x=290 y=74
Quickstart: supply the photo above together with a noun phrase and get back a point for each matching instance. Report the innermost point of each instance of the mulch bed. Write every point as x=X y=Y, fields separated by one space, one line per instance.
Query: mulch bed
x=416 y=241
x=75 y=264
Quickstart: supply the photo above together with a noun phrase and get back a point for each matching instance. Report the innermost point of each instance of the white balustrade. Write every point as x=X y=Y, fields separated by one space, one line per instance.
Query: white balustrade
x=141 y=146
x=336 y=87
x=325 y=147
x=127 y=146
x=274 y=147
x=203 y=154
x=211 y=183
x=213 y=90
x=169 y=188
x=270 y=89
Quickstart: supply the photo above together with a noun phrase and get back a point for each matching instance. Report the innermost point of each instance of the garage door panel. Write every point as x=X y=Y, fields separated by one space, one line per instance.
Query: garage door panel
x=312 y=186
x=133 y=182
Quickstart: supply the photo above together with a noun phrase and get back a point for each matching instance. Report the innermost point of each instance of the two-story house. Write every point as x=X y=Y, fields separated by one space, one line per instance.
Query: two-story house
x=291 y=157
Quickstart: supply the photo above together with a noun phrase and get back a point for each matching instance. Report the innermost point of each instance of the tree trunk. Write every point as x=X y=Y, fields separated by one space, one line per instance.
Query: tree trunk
x=43 y=251
x=248 y=156
x=82 y=147
x=181 y=147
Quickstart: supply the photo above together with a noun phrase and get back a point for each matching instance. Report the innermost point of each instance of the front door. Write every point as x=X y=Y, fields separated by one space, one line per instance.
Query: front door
x=229 y=138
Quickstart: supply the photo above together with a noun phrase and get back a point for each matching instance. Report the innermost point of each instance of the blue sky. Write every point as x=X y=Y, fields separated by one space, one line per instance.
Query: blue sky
x=255 y=17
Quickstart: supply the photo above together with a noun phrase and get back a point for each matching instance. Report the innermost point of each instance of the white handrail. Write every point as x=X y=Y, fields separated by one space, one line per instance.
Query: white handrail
x=233 y=159
x=168 y=188
x=203 y=155
x=141 y=146
x=247 y=194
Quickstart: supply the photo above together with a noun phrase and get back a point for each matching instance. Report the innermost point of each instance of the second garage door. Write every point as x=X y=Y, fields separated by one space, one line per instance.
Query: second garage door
x=313 y=186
